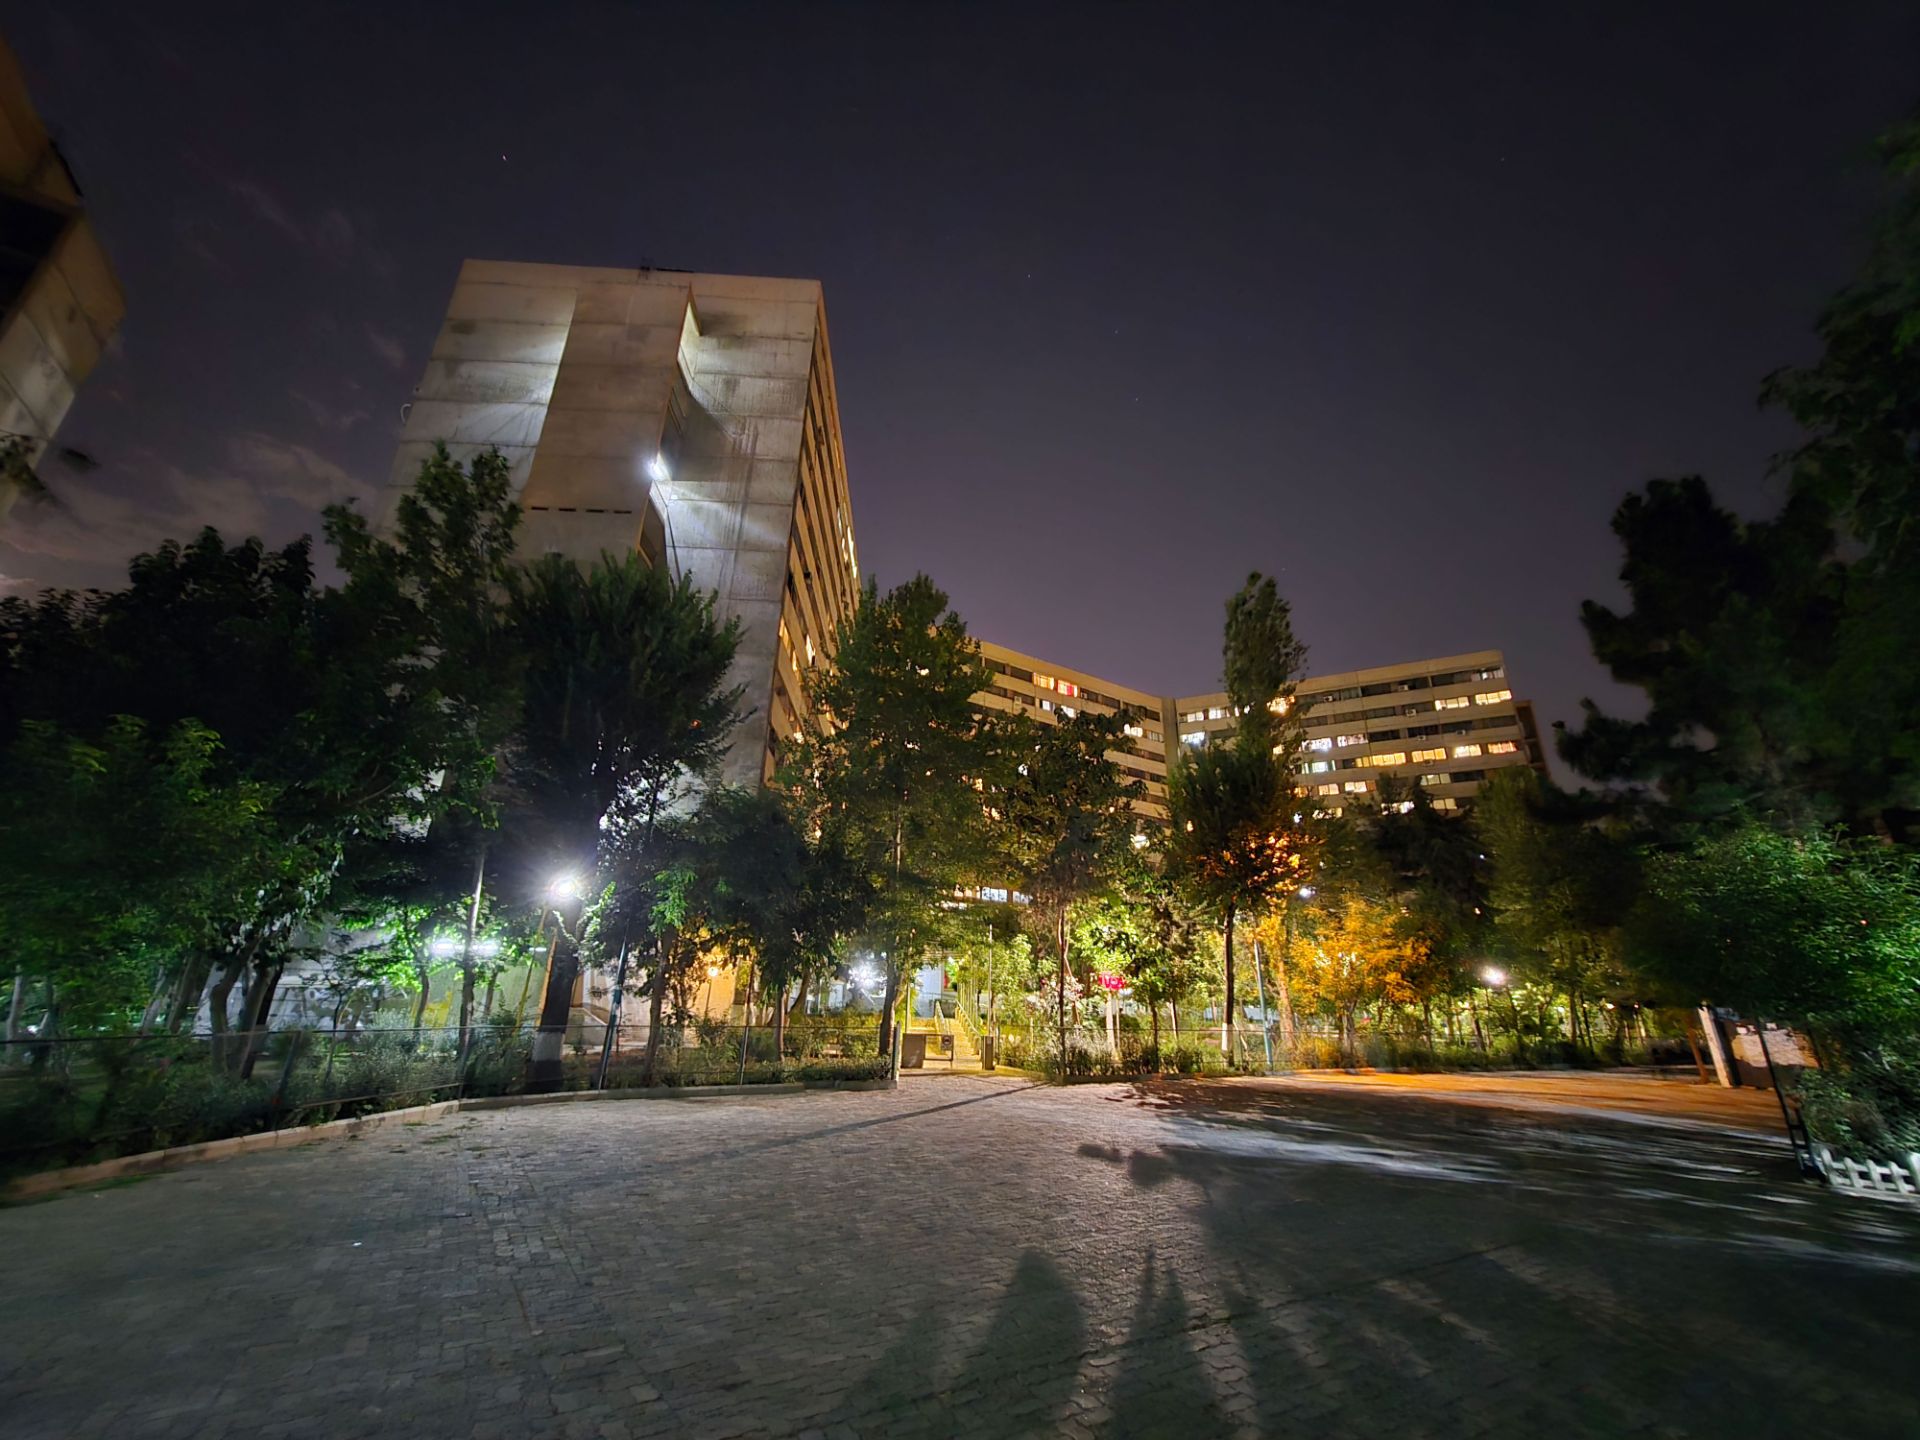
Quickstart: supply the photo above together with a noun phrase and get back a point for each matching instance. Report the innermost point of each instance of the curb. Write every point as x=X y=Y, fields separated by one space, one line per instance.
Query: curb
x=153 y=1162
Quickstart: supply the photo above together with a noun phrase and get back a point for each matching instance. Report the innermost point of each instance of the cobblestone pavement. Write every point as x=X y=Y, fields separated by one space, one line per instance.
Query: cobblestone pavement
x=972 y=1257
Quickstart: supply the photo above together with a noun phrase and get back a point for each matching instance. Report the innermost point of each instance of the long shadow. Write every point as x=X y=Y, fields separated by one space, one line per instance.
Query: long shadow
x=1160 y=1388
x=1013 y=1383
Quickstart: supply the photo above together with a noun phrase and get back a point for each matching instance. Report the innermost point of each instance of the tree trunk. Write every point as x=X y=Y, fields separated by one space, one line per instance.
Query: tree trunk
x=1153 y=1011
x=1479 y=1036
x=887 y=1007
x=217 y=999
x=780 y=1025
x=193 y=979
x=1226 y=1021
x=556 y=1006
x=1173 y=1009
x=466 y=953
x=656 y=1004
x=1283 y=992
x=16 y=1005
x=257 y=1012
x=420 y=1005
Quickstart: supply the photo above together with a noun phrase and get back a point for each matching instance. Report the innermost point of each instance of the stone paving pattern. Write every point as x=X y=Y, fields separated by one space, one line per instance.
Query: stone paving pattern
x=972 y=1257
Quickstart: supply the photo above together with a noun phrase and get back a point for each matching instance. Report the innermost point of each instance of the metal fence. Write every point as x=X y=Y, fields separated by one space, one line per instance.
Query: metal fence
x=71 y=1099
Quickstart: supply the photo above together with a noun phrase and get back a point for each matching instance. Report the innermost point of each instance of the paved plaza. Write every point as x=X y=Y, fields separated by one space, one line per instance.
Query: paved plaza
x=979 y=1257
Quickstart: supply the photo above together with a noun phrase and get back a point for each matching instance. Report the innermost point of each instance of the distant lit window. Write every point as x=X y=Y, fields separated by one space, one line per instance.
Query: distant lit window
x=1133 y=732
x=1498 y=672
x=1069 y=711
x=1439 y=752
x=1492 y=697
x=1355 y=787
x=1139 y=841
x=1047 y=705
x=809 y=649
x=1452 y=702
x=1345 y=740
x=1195 y=738
x=1502 y=747
x=1193 y=717
x=1436 y=777
x=1465 y=752
x=1280 y=704
x=1391 y=757
x=1331 y=788
x=1445 y=802
x=1067 y=688
x=1316 y=767
x=1217 y=712
x=1402 y=807
x=1321 y=744
x=1043 y=682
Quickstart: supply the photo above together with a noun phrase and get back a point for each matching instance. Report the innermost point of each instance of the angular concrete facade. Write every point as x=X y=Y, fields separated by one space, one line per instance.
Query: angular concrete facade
x=690 y=417
x=59 y=300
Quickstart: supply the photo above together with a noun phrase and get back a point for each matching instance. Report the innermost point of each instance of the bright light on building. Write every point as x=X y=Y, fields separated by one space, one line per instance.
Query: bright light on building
x=865 y=977
x=1139 y=841
x=657 y=468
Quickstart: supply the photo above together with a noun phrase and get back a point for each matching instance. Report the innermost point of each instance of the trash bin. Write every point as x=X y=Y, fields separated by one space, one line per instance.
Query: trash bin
x=986 y=1052
x=913 y=1051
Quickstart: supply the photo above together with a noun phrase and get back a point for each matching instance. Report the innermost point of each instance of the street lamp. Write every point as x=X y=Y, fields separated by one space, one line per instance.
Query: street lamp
x=565 y=886
x=1494 y=976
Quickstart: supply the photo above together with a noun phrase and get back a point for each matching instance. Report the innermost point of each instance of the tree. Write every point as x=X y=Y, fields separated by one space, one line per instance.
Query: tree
x=1351 y=951
x=891 y=760
x=1561 y=885
x=440 y=580
x=117 y=854
x=1069 y=825
x=625 y=692
x=1233 y=844
x=1802 y=926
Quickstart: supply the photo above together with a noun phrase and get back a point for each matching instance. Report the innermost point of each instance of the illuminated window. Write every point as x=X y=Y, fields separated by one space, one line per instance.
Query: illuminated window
x=1436 y=777
x=1502 y=747
x=1320 y=745
x=1402 y=808
x=1439 y=752
x=1279 y=705
x=809 y=650
x=1391 y=757
x=1195 y=738
x=1330 y=788
x=1047 y=705
x=1068 y=711
x=1193 y=716
x=1455 y=702
x=1492 y=697
x=1066 y=687
x=1445 y=802
x=1345 y=740
x=1316 y=767
x=1133 y=732
x=1217 y=712
x=1355 y=787
x=1043 y=682
x=1465 y=752
x=1139 y=841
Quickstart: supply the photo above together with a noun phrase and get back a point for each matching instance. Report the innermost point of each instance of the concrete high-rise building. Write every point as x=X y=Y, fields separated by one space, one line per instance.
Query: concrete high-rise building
x=59 y=300
x=1442 y=724
x=690 y=417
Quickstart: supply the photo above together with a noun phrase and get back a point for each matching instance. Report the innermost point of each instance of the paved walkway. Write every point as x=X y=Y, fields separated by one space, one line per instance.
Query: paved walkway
x=972 y=1257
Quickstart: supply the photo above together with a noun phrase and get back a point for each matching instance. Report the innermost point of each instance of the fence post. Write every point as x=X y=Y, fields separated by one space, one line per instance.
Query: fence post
x=746 y=1036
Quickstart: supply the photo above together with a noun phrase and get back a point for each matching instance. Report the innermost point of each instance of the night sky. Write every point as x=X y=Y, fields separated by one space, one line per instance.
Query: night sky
x=1124 y=302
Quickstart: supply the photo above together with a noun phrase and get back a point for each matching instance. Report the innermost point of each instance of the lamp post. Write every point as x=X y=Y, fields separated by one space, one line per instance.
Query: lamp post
x=549 y=1036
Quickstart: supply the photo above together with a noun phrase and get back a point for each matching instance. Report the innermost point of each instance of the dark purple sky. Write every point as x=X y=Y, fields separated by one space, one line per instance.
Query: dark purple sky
x=1124 y=303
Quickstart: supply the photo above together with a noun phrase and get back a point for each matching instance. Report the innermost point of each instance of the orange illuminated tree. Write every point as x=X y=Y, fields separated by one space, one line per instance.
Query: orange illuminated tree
x=1234 y=845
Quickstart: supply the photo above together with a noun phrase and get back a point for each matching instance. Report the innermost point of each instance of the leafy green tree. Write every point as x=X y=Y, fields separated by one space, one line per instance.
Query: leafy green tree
x=893 y=766
x=438 y=581
x=1069 y=826
x=1233 y=842
x=118 y=851
x=1793 y=926
x=1561 y=886
x=625 y=694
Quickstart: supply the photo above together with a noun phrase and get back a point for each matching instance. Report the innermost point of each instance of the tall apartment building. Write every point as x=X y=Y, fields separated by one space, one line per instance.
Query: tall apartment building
x=1442 y=724
x=59 y=300
x=692 y=418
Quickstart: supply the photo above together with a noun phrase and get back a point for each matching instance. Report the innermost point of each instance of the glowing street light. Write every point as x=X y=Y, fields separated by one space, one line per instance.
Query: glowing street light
x=564 y=887
x=1494 y=976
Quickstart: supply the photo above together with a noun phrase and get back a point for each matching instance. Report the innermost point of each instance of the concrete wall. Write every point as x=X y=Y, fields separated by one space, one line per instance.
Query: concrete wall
x=590 y=379
x=58 y=326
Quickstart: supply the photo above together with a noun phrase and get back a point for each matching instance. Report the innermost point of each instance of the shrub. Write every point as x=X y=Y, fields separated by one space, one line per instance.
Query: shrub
x=1868 y=1108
